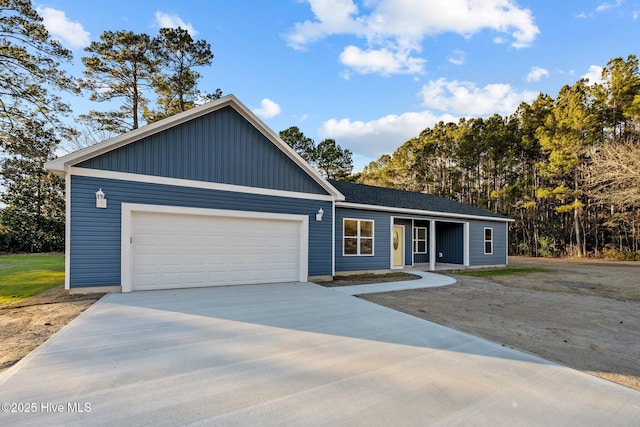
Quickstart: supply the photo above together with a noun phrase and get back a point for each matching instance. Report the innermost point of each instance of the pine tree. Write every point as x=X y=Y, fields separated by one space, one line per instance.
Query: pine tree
x=177 y=86
x=120 y=66
x=29 y=71
x=34 y=214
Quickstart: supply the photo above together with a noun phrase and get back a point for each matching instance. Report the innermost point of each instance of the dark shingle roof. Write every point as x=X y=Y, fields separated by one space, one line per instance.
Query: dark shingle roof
x=380 y=196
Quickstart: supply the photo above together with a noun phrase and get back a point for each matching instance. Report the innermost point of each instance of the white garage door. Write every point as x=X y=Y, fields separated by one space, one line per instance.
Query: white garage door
x=179 y=251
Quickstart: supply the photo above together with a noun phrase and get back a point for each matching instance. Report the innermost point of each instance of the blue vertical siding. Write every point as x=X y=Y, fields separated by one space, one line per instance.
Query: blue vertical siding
x=450 y=242
x=218 y=147
x=420 y=258
x=476 y=243
x=382 y=243
x=95 y=233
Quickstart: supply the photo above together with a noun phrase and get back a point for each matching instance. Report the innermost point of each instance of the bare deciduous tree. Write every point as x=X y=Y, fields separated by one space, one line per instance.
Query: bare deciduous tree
x=615 y=174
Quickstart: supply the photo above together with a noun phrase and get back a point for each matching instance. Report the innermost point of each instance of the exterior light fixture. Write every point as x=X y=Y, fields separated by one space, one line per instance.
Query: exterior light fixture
x=319 y=215
x=101 y=202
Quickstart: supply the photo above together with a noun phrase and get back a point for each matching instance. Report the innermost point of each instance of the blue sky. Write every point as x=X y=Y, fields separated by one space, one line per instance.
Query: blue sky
x=372 y=73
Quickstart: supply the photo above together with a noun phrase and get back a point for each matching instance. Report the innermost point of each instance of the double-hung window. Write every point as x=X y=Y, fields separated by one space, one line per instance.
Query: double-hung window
x=420 y=240
x=488 y=241
x=357 y=237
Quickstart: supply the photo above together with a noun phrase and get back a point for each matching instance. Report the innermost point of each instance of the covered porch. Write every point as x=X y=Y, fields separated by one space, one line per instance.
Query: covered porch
x=429 y=242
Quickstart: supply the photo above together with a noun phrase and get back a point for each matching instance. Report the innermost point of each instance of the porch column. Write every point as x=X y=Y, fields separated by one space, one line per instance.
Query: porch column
x=432 y=245
x=465 y=256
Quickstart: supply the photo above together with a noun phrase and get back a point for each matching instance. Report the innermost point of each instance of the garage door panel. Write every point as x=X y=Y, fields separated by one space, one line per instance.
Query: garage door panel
x=174 y=250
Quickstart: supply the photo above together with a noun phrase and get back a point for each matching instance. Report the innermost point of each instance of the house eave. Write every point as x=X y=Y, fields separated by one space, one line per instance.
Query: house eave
x=186 y=183
x=420 y=212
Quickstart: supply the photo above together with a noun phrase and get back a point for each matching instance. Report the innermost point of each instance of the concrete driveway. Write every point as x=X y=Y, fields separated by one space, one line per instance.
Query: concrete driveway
x=290 y=354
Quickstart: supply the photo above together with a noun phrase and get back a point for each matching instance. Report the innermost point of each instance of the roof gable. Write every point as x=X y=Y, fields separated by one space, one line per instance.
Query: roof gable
x=391 y=198
x=221 y=142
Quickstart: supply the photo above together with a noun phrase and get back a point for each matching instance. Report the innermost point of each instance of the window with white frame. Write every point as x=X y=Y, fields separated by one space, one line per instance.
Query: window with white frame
x=420 y=240
x=488 y=241
x=357 y=237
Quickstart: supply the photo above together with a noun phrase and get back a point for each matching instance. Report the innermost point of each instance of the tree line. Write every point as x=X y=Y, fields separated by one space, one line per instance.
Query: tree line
x=567 y=169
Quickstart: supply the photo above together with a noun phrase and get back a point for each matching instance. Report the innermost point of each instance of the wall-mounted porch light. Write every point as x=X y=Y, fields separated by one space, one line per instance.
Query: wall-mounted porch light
x=319 y=215
x=101 y=202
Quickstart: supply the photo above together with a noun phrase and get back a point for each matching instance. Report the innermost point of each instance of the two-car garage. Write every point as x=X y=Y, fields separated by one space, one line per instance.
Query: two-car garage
x=166 y=247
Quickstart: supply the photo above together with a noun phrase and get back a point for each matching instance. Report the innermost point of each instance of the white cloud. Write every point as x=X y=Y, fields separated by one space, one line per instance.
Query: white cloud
x=382 y=61
x=61 y=28
x=603 y=7
x=394 y=30
x=536 y=74
x=594 y=75
x=369 y=140
x=606 y=6
x=166 y=20
x=345 y=75
x=466 y=98
x=268 y=109
x=457 y=57
x=332 y=17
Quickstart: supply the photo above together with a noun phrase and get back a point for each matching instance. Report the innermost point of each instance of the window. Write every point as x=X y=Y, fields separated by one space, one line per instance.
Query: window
x=488 y=241
x=420 y=240
x=357 y=237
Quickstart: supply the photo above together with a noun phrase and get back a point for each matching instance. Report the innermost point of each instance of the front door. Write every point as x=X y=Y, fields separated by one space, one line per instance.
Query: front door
x=398 y=245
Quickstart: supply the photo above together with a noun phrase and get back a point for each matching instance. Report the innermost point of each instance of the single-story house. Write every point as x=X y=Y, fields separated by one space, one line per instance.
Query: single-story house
x=212 y=196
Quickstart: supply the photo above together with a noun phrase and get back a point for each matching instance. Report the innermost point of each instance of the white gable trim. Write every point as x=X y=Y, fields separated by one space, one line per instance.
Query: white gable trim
x=150 y=179
x=419 y=212
x=67 y=234
x=62 y=165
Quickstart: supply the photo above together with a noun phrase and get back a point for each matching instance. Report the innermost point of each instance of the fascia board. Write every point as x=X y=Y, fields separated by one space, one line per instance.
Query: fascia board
x=407 y=211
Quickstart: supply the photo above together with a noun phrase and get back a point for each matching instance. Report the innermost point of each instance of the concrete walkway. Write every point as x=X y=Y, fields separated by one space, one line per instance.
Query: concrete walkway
x=429 y=280
x=290 y=355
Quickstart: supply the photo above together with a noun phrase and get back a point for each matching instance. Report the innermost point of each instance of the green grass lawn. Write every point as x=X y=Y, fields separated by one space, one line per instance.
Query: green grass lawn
x=504 y=271
x=23 y=276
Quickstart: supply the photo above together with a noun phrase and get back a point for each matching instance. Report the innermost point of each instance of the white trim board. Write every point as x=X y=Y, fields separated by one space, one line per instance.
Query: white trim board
x=152 y=179
x=466 y=229
x=126 y=233
x=67 y=233
x=432 y=218
x=333 y=238
x=435 y=214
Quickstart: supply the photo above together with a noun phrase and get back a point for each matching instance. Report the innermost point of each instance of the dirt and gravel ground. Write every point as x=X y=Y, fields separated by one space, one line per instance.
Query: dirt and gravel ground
x=365 y=279
x=584 y=314
x=26 y=325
